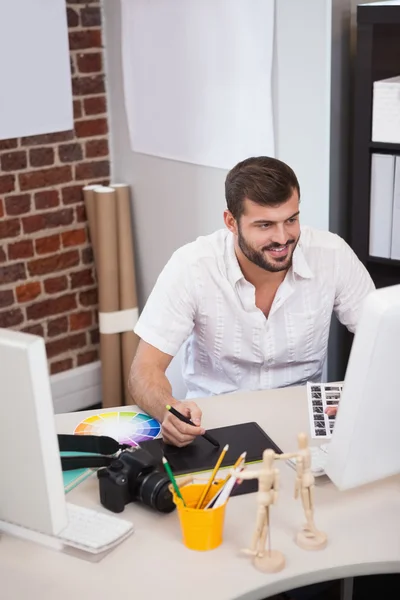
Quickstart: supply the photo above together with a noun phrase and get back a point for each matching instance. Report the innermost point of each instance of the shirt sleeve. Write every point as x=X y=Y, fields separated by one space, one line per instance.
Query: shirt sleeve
x=353 y=284
x=167 y=319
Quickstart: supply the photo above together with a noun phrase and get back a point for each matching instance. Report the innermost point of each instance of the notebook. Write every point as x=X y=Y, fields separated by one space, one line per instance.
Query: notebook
x=76 y=476
x=201 y=456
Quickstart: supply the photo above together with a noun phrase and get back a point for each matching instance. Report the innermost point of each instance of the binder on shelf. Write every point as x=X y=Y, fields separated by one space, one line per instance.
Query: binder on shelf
x=395 y=249
x=381 y=205
x=386 y=110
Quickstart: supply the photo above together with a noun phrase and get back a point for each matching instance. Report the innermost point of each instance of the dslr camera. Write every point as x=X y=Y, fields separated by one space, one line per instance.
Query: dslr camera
x=131 y=477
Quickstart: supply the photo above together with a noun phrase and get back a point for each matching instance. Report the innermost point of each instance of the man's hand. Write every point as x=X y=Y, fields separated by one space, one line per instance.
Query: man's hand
x=331 y=411
x=177 y=432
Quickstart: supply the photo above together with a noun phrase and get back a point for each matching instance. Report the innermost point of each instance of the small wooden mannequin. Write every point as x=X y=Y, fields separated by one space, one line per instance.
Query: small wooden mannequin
x=309 y=537
x=268 y=561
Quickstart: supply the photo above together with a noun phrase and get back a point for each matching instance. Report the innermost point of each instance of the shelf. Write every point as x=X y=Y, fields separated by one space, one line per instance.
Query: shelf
x=386 y=147
x=383 y=261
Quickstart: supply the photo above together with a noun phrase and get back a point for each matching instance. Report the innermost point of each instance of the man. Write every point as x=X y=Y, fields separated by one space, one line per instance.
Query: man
x=251 y=303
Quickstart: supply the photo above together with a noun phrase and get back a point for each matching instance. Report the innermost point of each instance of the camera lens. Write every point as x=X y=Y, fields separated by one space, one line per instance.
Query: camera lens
x=154 y=492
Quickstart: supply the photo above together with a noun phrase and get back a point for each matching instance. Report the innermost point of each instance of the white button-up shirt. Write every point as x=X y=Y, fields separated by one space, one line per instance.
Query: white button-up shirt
x=202 y=300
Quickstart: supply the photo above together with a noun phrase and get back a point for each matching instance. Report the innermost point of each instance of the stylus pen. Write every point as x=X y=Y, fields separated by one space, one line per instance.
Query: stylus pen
x=182 y=417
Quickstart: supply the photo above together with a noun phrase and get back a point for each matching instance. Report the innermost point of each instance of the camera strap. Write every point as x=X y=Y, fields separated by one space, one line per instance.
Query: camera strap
x=101 y=445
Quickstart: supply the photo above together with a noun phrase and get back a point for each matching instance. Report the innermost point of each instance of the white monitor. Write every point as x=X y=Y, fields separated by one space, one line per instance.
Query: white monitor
x=32 y=491
x=365 y=444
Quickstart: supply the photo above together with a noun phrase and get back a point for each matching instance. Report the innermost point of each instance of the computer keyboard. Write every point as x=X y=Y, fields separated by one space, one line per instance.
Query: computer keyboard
x=93 y=531
x=319 y=457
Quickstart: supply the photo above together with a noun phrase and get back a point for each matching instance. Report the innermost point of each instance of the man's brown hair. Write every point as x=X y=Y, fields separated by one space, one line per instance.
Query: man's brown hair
x=264 y=180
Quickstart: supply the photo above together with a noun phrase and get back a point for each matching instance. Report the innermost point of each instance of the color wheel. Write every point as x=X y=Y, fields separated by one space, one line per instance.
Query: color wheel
x=126 y=427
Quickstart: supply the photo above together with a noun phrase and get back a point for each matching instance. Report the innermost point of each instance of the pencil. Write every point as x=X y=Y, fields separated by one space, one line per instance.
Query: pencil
x=236 y=465
x=213 y=474
x=172 y=479
x=184 y=419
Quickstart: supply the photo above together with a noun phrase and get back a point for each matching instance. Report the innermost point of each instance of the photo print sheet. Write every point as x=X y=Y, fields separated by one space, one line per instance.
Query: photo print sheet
x=320 y=396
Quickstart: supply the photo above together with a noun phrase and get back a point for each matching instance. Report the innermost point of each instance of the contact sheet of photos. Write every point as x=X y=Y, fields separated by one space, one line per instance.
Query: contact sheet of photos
x=320 y=396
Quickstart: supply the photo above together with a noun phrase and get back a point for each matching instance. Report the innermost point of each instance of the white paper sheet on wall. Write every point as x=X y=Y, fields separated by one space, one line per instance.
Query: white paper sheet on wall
x=35 y=75
x=197 y=79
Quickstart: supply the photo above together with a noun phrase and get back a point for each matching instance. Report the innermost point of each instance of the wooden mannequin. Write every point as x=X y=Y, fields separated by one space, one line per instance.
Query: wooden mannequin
x=268 y=561
x=309 y=537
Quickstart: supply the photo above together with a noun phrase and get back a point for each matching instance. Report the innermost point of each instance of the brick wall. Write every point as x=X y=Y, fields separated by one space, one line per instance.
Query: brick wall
x=47 y=277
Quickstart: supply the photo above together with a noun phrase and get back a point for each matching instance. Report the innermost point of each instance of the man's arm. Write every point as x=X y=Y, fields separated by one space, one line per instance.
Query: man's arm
x=151 y=391
x=353 y=284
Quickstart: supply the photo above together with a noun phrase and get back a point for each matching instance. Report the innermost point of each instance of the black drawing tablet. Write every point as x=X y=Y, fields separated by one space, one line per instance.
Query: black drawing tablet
x=200 y=455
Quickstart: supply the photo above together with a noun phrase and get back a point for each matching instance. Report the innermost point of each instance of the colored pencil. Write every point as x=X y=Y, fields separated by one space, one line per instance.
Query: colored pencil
x=213 y=474
x=184 y=419
x=215 y=499
x=172 y=479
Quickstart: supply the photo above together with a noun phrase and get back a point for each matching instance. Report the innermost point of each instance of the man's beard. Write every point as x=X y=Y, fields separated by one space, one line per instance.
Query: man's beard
x=260 y=259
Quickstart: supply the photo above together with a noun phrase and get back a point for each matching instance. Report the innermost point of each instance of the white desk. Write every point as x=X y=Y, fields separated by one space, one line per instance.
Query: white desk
x=363 y=528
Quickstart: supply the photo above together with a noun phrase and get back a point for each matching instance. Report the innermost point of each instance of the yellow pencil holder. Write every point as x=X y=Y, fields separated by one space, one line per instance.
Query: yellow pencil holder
x=202 y=529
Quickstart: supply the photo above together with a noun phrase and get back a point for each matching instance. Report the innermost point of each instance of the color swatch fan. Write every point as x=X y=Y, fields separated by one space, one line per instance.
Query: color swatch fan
x=130 y=428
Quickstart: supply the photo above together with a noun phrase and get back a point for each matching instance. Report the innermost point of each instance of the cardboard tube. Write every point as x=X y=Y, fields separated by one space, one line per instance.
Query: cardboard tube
x=127 y=279
x=108 y=279
x=90 y=206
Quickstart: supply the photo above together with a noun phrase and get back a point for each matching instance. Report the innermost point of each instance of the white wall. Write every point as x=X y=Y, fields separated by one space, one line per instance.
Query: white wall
x=175 y=202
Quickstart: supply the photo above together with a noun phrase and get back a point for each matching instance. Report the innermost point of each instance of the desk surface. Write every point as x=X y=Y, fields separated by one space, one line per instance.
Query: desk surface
x=363 y=528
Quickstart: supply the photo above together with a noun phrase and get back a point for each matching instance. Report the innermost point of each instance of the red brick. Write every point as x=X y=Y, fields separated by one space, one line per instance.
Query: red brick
x=8 y=144
x=65 y=344
x=48 y=244
x=51 y=306
x=72 y=18
x=57 y=326
x=72 y=194
x=92 y=170
x=23 y=249
x=90 y=62
x=87 y=255
x=52 y=264
x=91 y=16
x=91 y=127
x=13 y=161
x=34 y=329
x=81 y=320
x=11 y=273
x=9 y=228
x=2 y=255
x=41 y=157
x=1 y=208
x=73 y=238
x=18 y=205
x=60 y=366
x=87 y=357
x=95 y=106
x=78 y=40
x=77 y=109
x=6 y=298
x=70 y=152
x=54 y=285
x=45 y=178
x=47 y=199
x=87 y=86
x=7 y=184
x=95 y=336
x=48 y=220
x=47 y=138
x=81 y=279
x=81 y=214
x=96 y=148
x=88 y=298
x=28 y=291
x=11 y=318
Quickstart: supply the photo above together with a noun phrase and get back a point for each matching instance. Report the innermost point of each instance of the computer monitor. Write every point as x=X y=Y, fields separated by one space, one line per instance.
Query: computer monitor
x=365 y=444
x=32 y=491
